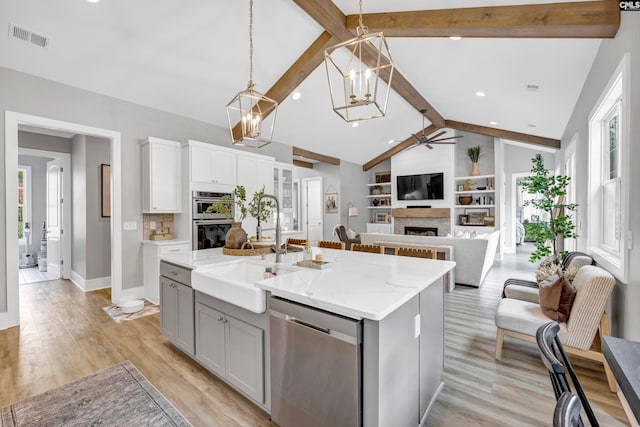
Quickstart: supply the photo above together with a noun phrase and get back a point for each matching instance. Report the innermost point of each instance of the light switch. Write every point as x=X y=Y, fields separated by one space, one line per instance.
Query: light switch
x=130 y=226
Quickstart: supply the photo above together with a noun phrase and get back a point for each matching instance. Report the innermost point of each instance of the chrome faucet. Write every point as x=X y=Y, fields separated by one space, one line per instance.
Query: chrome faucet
x=259 y=229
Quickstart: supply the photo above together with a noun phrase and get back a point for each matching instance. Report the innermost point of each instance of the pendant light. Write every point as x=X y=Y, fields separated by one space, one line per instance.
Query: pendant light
x=354 y=70
x=251 y=114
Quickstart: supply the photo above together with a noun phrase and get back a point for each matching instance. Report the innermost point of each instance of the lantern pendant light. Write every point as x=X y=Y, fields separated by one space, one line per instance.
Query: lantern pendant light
x=251 y=114
x=355 y=69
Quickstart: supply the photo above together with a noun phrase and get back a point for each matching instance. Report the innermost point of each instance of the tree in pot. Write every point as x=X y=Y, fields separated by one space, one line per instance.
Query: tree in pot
x=549 y=192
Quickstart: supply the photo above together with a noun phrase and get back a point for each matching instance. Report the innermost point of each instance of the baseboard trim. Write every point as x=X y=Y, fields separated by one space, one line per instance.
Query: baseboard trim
x=91 y=284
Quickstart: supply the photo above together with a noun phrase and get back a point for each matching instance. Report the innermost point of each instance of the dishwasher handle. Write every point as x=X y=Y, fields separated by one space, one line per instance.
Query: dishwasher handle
x=305 y=324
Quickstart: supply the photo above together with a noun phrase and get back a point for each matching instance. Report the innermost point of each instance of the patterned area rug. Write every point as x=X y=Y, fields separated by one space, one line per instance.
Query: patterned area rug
x=116 y=396
x=116 y=313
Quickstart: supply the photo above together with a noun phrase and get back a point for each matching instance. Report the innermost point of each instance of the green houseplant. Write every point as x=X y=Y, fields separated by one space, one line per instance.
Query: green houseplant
x=549 y=191
x=474 y=155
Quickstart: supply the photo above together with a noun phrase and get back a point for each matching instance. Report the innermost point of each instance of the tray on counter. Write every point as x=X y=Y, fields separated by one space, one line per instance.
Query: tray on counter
x=322 y=265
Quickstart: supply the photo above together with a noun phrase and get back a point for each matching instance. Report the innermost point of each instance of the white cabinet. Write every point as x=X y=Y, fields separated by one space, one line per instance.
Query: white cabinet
x=161 y=176
x=212 y=165
x=151 y=250
x=379 y=228
x=254 y=172
x=475 y=206
x=232 y=349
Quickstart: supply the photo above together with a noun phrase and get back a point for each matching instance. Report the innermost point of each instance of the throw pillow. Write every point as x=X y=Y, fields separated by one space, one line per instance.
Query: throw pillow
x=556 y=297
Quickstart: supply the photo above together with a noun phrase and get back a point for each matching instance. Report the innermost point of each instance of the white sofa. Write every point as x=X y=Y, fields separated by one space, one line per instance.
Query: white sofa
x=473 y=256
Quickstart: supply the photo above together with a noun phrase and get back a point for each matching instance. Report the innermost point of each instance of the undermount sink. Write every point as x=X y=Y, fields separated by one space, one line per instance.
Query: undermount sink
x=234 y=281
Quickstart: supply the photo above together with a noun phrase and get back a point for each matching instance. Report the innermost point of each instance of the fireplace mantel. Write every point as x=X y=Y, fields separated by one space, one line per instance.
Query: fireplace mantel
x=421 y=212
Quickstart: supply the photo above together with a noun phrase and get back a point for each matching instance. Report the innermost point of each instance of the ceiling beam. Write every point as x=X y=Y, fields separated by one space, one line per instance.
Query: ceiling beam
x=297 y=73
x=331 y=18
x=302 y=164
x=296 y=151
x=397 y=148
x=505 y=134
x=586 y=19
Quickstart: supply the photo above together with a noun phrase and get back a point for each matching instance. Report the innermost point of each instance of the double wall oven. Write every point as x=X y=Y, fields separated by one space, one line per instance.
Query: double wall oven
x=209 y=226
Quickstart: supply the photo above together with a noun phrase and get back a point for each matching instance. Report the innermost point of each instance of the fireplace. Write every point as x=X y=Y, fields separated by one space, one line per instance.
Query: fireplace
x=421 y=231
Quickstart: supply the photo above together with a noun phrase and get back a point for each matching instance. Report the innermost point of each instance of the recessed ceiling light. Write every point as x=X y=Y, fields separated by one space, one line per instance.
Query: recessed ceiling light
x=493 y=123
x=93 y=1
x=296 y=95
x=391 y=141
x=354 y=124
x=480 y=94
x=455 y=38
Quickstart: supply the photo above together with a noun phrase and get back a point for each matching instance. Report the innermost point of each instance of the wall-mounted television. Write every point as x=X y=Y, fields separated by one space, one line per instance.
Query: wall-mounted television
x=426 y=186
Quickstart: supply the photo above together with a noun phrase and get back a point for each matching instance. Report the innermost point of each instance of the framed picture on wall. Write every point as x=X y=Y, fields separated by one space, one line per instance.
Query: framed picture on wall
x=330 y=203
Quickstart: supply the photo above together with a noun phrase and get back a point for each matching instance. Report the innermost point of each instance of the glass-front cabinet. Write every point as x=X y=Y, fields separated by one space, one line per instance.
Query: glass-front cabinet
x=287 y=192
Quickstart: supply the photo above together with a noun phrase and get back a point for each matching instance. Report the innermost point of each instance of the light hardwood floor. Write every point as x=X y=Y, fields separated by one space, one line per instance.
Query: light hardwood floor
x=65 y=335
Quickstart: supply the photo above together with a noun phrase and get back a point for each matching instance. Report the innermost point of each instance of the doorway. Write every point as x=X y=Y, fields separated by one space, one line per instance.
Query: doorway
x=313 y=209
x=12 y=122
x=46 y=213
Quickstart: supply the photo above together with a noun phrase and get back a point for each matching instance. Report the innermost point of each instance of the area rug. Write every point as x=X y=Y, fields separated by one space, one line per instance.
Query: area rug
x=116 y=313
x=115 y=396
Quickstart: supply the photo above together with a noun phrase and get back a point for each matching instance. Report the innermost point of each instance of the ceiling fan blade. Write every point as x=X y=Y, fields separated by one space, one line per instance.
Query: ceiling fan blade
x=444 y=139
x=437 y=135
x=443 y=143
x=429 y=146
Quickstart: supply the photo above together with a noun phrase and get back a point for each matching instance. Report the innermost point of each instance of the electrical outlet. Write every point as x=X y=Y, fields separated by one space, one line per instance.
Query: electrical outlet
x=152 y=225
x=130 y=226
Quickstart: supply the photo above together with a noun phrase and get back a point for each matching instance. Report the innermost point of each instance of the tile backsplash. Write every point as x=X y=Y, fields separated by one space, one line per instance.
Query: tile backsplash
x=163 y=226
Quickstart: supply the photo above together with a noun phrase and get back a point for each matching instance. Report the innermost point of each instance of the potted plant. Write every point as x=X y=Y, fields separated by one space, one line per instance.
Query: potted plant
x=549 y=191
x=474 y=155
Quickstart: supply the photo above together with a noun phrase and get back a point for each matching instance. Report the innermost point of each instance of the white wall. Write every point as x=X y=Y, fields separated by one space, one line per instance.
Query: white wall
x=624 y=312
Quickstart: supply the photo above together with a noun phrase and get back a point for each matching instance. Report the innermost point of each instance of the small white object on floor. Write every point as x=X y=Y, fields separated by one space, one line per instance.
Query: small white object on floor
x=132 y=306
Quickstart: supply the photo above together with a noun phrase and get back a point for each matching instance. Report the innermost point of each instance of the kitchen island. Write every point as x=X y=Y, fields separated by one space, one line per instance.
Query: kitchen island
x=395 y=302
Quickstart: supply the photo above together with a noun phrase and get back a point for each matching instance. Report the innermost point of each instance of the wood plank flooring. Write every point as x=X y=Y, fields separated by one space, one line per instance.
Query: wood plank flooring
x=65 y=335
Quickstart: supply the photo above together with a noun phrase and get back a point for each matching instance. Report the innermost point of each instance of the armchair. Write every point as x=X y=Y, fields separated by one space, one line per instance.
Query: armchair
x=342 y=235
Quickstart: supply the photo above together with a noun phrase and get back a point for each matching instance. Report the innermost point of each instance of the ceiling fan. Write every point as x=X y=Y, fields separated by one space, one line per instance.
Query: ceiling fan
x=434 y=139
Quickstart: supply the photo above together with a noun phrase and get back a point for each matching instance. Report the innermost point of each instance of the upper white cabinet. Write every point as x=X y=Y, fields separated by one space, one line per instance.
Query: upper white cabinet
x=213 y=165
x=161 y=176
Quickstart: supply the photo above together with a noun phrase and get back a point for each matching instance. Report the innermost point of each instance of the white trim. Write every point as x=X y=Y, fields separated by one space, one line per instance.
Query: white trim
x=11 y=317
x=27 y=200
x=66 y=207
x=91 y=284
x=616 y=265
x=531 y=146
x=571 y=154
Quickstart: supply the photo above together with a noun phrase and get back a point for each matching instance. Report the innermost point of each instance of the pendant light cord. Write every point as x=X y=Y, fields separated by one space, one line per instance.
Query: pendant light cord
x=250 y=84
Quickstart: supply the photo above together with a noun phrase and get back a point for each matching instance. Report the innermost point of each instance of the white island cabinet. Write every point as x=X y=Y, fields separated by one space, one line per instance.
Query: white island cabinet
x=161 y=176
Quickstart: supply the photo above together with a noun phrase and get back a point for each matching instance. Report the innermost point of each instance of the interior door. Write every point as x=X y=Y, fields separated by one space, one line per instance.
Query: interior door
x=314 y=209
x=54 y=217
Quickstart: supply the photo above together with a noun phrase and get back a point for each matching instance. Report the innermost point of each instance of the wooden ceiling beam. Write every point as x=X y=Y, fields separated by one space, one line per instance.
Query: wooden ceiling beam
x=298 y=72
x=296 y=151
x=302 y=164
x=505 y=134
x=331 y=18
x=586 y=19
x=397 y=148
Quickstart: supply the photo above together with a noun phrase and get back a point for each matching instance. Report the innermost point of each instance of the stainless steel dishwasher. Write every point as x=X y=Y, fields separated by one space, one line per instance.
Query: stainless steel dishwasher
x=315 y=366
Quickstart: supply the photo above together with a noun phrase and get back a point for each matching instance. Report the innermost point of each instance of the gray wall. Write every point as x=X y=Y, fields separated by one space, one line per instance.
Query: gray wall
x=37 y=141
x=38 y=197
x=624 y=312
x=353 y=188
x=486 y=163
x=32 y=95
x=331 y=184
x=91 y=233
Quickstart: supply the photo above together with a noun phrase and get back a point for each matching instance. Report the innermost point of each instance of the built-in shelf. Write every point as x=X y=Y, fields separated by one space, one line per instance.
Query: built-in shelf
x=475 y=206
x=460 y=178
x=378 y=196
x=378 y=184
x=379 y=207
x=474 y=192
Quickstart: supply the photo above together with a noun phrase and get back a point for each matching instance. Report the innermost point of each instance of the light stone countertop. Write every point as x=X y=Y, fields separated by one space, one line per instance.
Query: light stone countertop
x=356 y=284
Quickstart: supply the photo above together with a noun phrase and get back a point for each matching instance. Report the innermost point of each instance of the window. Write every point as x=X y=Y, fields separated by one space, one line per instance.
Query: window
x=24 y=196
x=608 y=174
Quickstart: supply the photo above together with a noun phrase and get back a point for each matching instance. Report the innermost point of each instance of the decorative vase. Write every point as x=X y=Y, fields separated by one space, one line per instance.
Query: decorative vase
x=475 y=171
x=375 y=202
x=236 y=236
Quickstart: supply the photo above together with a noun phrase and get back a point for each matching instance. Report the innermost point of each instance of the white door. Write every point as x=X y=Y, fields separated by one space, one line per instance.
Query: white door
x=314 y=209
x=54 y=217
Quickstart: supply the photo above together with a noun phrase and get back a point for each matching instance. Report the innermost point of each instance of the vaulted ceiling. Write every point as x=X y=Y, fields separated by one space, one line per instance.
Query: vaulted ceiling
x=190 y=58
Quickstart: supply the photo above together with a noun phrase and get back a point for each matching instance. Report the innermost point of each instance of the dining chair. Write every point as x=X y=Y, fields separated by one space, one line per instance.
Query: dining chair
x=374 y=249
x=567 y=411
x=551 y=351
x=417 y=253
x=331 y=245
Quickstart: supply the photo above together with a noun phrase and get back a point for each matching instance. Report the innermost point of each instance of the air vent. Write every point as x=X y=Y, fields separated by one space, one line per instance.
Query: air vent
x=28 y=36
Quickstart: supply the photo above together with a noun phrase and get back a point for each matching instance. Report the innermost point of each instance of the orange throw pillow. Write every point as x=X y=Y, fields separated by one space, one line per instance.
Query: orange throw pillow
x=556 y=297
